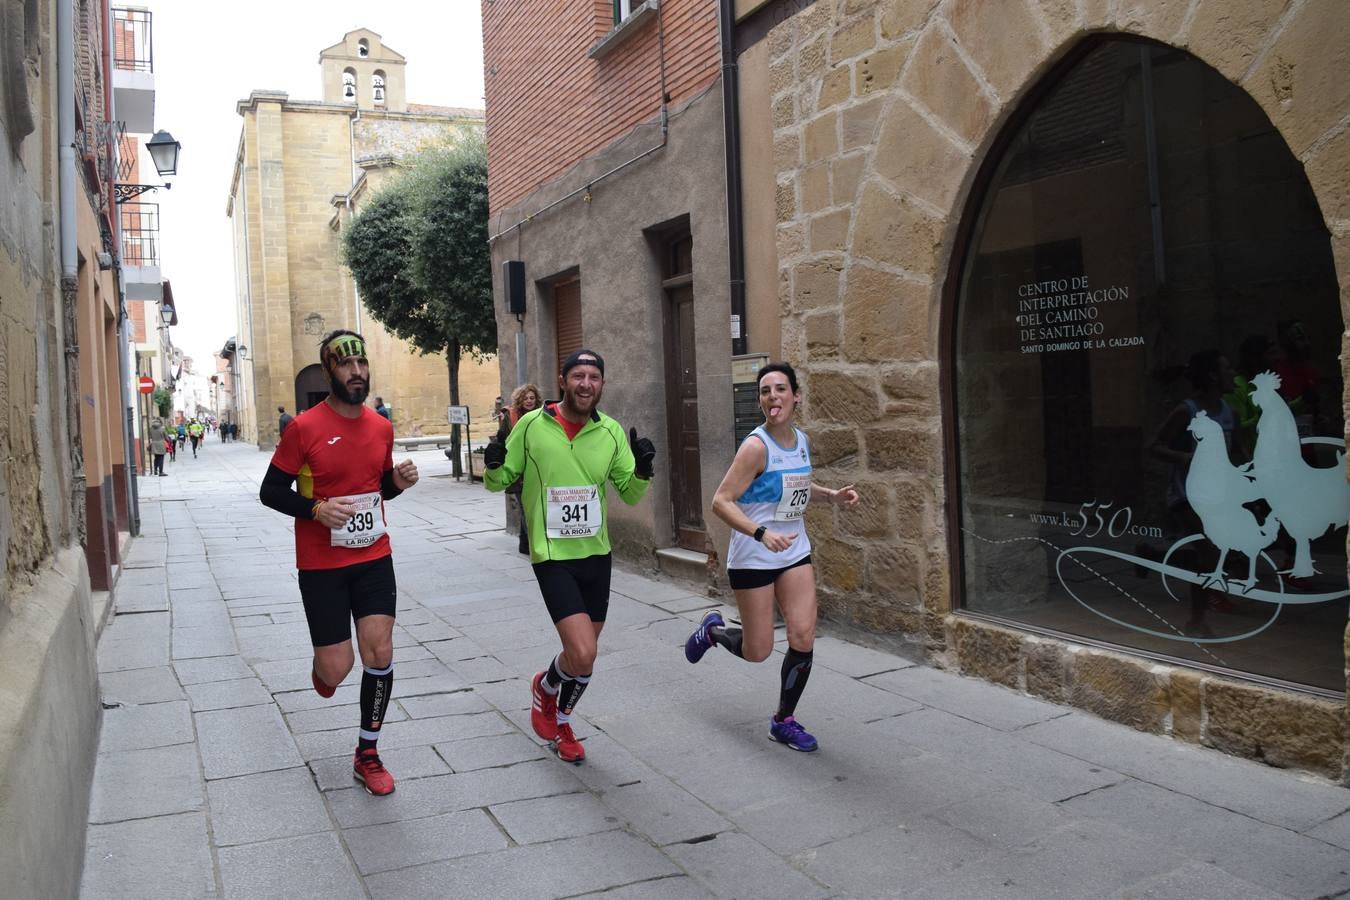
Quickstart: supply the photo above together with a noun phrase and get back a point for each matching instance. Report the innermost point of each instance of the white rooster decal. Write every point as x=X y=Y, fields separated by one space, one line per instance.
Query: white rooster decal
x=1305 y=499
x=1216 y=490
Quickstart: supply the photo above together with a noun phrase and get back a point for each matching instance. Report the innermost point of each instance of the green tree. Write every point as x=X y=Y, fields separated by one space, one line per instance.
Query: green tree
x=419 y=254
x=163 y=400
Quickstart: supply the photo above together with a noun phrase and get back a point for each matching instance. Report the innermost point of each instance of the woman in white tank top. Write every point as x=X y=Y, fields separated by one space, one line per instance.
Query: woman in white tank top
x=763 y=497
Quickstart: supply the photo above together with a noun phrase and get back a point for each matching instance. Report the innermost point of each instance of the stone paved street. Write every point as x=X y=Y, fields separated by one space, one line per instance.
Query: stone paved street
x=222 y=773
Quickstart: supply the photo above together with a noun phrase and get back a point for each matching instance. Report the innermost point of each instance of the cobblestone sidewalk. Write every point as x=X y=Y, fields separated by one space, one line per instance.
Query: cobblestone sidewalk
x=221 y=773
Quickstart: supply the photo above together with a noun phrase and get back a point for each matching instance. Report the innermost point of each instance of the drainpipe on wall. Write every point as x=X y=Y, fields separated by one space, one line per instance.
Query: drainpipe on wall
x=65 y=65
x=731 y=138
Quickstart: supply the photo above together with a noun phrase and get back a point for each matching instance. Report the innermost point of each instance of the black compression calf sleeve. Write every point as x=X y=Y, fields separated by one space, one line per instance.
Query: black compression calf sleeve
x=796 y=669
x=570 y=692
x=731 y=638
x=554 y=676
x=376 y=686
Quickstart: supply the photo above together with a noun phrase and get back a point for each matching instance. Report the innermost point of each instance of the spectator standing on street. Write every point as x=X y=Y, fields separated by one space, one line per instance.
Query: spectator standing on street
x=339 y=454
x=285 y=420
x=567 y=452
x=158 y=445
x=383 y=410
x=763 y=497
x=523 y=399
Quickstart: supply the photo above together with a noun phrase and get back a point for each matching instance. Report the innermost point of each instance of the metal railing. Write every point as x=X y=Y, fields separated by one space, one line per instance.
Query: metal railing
x=140 y=234
x=133 y=44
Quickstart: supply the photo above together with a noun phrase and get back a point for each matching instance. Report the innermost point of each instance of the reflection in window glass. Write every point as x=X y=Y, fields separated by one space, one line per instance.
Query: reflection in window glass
x=1148 y=389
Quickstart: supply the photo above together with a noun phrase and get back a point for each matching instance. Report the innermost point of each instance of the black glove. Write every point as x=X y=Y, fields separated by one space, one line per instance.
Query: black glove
x=494 y=454
x=644 y=451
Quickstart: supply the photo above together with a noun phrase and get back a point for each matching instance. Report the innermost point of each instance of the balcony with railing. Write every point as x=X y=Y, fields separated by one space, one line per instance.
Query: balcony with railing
x=134 y=68
x=140 y=251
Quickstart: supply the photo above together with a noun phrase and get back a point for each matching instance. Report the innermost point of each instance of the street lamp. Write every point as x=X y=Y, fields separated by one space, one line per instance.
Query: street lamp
x=164 y=153
x=168 y=314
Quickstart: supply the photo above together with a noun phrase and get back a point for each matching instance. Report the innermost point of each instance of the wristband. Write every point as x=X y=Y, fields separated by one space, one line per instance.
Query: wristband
x=759 y=534
x=314 y=510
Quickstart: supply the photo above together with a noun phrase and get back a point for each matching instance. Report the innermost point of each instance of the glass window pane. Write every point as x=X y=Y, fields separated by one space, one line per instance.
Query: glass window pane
x=1147 y=248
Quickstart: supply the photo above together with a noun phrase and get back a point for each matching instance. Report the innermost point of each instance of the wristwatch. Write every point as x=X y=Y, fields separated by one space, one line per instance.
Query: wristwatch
x=759 y=534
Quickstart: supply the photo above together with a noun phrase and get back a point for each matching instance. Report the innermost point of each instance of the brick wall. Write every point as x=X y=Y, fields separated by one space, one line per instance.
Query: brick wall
x=136 y=315
x=549 y=105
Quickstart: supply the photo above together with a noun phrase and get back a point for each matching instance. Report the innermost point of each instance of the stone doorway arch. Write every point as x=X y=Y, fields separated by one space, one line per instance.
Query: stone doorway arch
x=311 y=387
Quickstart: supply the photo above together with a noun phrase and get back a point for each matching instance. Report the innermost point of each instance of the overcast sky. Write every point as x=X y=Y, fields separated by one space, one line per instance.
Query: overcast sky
x=210 y=56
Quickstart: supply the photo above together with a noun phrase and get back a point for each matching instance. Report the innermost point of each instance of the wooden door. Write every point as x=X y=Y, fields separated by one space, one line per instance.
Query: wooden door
x=686 y=489
x=567 y=320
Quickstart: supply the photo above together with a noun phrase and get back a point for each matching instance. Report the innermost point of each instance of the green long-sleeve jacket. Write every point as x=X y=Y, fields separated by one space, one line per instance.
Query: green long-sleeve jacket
x=538 y=450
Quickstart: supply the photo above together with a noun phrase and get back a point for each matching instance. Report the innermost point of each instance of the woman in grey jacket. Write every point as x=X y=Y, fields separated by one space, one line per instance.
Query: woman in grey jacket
x=158 y=445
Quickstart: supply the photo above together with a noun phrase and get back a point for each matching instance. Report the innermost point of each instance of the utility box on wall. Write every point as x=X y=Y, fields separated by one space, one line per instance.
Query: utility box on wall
x=746 y=414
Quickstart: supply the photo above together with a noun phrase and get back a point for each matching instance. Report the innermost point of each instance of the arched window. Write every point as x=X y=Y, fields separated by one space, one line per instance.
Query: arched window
x=377 y=86
x=363 y=48
x=1147 y=389
x=349 y=85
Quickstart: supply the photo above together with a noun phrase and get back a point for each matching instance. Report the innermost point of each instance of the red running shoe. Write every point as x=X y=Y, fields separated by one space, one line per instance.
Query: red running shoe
x=567 y=746
x=367 y=769
x=543 y=709
x=320 y=687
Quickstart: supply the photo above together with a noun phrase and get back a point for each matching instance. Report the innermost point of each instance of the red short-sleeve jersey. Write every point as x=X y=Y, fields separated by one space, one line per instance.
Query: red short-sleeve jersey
x=332 y=456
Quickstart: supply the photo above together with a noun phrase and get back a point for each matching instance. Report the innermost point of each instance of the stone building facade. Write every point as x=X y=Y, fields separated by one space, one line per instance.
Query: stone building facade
x=920 y=147
x=301 y=170
x=58 y=487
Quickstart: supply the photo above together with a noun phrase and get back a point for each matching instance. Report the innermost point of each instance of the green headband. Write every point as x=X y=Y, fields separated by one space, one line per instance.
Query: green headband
x=346 y=346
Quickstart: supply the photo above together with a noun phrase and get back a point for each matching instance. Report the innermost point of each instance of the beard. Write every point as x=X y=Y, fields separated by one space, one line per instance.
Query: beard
x=354 y=395
x=579 y=406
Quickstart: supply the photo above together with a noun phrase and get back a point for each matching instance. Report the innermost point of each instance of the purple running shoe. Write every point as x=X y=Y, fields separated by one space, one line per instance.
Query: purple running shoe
x=701 y=640
x=790 y=732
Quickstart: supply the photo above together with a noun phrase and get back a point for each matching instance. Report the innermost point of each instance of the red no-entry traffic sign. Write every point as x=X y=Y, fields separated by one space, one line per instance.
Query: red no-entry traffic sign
x=147 y=384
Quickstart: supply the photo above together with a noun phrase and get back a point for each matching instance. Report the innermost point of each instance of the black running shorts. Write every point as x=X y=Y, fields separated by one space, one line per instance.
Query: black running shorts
x=333 y=597
x=749 y=579
x=572 y=586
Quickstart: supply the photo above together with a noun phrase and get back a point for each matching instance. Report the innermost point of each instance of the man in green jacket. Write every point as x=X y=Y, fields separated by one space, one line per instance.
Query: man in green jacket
x=195 y=431
x=566 y=452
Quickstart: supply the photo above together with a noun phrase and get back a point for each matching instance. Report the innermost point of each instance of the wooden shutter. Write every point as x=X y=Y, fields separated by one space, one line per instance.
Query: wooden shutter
x=567 y=316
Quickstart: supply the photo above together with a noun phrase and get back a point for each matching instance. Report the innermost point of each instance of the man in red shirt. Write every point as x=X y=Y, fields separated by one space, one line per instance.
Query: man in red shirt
x=340 y=456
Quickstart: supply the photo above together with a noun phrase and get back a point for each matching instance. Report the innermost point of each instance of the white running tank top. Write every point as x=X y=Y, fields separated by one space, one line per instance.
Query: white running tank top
x=775 y=499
